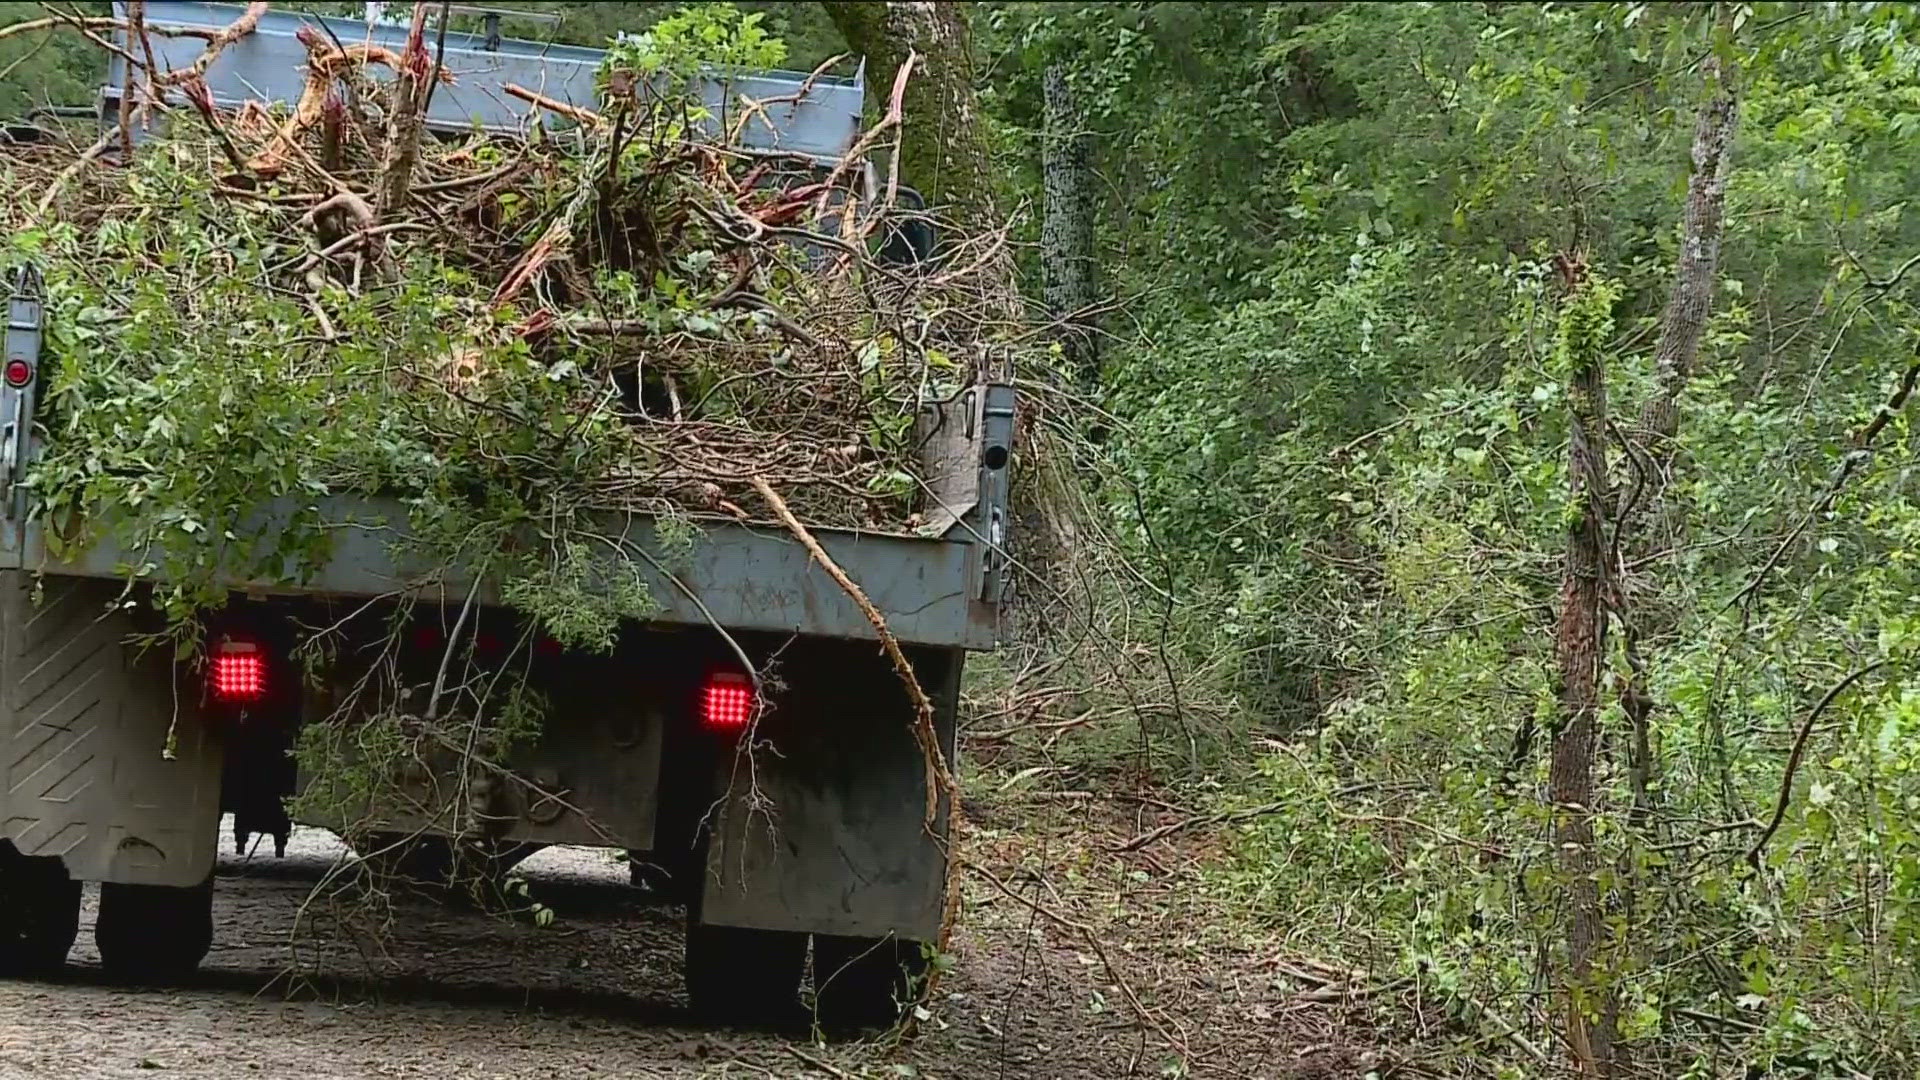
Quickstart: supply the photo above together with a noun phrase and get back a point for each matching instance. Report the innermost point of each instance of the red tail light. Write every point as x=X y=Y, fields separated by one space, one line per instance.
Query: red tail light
x=237 y=673
x=19 y=373
x=726 y=706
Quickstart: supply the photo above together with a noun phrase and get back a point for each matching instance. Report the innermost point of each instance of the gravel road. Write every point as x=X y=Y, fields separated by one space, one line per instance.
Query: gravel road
x=459 y=994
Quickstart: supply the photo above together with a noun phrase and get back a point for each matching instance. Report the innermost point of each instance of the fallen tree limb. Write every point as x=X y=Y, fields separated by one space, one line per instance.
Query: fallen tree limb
x=1093 y=941
x=85 y=22
x=939 y=777
x=896 y=113
x=67 y=174
x=554 y=105
x=823 y=1066
x=247 y=23
x=412 y=78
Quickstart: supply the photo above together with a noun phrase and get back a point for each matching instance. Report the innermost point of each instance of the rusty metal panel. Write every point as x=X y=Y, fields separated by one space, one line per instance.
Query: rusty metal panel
x=825 y=833
x=84 y=729
x=744 y=577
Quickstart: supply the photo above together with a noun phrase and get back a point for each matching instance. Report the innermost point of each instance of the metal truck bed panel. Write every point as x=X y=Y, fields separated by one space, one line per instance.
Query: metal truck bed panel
x=270 y=65
x=746 y=577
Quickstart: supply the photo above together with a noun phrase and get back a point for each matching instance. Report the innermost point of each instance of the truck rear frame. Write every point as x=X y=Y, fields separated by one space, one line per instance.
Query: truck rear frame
x=117 y=762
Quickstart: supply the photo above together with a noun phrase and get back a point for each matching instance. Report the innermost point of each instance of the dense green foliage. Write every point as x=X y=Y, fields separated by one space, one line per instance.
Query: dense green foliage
x=1332 y=230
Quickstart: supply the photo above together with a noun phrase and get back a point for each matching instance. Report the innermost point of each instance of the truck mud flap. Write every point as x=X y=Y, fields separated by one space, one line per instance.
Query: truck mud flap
x=85 y=720
x=823 y=832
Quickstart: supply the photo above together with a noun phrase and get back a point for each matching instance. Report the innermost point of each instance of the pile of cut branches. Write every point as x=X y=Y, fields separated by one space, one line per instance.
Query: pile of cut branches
x=613 y=309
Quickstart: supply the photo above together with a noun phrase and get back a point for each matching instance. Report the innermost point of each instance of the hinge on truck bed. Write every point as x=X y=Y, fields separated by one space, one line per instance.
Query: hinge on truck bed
x=996 y=454
x=18 y=378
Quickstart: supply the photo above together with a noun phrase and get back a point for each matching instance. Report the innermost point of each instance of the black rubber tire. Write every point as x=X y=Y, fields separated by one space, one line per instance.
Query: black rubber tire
x=417 y=860
x=39 y=914
x=469 y=874
x=865 y=984
x=662 y=880
x=154 y=933
x=743 y=977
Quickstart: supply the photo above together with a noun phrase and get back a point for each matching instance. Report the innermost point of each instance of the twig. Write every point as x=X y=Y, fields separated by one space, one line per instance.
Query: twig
x=825 y=1067
x=67 y=174
x=893 y=119
x=248 y=21
x=80 y=26
x=351 y=239
x=759 y=105
x=439 y=55
x=1093 y=940
x=571 y=112
x=939 y=777
x=453 y=642
x=1793 y=761
x=201 y=98
x=1862 y=444
x=154 y=94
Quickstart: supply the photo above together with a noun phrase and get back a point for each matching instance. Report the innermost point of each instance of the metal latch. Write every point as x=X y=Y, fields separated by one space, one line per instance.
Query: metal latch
x=18 y=377
x=996 y=457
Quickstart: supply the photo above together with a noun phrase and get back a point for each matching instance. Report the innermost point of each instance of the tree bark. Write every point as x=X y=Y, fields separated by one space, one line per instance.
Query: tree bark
x=1580 y=650
x=1691 y=302
x=1066 y=234
x=943 y=148
x=1645 y=513
x=405 y=127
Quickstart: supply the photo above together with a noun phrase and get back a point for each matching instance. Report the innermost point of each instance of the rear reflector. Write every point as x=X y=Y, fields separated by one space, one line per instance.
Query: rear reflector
x=727 y=704
x=237 y=673
x=19 y=373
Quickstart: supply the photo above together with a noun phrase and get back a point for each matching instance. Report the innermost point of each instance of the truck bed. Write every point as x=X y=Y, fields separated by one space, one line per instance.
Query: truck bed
x=739 y=576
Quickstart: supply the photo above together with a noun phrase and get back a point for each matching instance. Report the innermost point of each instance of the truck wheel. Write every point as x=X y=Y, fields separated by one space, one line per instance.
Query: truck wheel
x=428 y=859
x=39 y=914
x=154 y=933
x=422 y=860
x=662 y=880
x=742 y=976
x=865 y=984
x=463 y=873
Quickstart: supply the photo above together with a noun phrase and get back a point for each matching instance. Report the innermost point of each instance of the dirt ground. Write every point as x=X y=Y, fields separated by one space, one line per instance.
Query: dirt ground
x=1063 y=969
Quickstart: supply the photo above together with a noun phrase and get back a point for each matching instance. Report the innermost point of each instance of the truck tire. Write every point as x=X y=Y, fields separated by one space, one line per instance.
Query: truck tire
x=39 y=914
x=738 y=976
x=421 y=860
x=469 y=873
x=865 y=984
x=662 y=879
x=154 y=933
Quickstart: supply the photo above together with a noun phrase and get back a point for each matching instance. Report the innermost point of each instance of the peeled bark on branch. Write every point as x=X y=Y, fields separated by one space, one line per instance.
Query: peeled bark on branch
x=247 y=23
x=411 y=80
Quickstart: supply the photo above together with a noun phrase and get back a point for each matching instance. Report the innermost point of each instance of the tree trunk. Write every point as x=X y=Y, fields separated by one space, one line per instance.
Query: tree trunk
x=405 y=127
x=1685 y=318
x=943 y=149
x=1066 y=234
x=1646 y=518
x=1580 y=650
